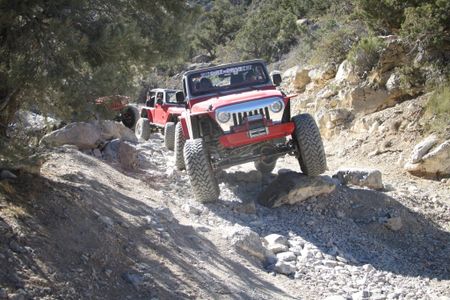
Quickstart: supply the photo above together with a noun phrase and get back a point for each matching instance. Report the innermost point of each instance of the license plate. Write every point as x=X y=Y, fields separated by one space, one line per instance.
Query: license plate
x=257 y=132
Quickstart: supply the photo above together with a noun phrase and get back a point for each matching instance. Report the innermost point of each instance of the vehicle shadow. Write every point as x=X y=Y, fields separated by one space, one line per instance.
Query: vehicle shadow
x=92 y=240
x=352 y=220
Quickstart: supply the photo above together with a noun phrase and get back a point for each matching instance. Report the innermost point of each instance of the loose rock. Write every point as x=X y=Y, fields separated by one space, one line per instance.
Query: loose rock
x=360 y=177
x=292 y=187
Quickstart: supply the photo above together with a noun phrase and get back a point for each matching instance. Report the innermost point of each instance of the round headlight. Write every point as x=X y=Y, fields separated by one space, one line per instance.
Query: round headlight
x=276 y=106
x=223 y=117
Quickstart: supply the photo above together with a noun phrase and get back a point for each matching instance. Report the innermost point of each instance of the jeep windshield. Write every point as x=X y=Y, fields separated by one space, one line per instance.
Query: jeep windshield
x=226 y=78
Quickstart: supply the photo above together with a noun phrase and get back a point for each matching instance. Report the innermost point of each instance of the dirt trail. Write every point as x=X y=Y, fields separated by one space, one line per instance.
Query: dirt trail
x=88 y=229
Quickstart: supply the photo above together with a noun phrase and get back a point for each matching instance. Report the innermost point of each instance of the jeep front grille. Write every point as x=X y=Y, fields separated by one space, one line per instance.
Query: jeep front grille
x=239 y=112
x=238 y=118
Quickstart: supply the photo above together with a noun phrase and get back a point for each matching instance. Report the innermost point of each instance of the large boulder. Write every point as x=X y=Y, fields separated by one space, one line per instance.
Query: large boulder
x=115 y=130
x=293 y=187
x=431 y=163
x=88 y=135
x=83 y=135
x=365 y=100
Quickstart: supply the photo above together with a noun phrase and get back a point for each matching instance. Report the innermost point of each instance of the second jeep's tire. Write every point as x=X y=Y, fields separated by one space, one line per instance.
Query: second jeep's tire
x=180 y=140
x=169 y=135
x=311 y=154
x=201 y=175
x=129 y=116
x=142 y=129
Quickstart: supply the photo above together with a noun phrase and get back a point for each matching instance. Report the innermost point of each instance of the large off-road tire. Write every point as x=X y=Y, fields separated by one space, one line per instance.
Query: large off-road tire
x=311 y=154
x=201 y=175
x=142 y=129
x=129 y=116
x=180 y=140
x=169 y=135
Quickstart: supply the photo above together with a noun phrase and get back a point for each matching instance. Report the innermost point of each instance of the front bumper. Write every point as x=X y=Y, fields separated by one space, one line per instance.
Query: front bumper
x=243 y=138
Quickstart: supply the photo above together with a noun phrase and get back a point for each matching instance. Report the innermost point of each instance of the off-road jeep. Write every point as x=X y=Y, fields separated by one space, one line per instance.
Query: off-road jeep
x=235 y=114
x=161 y=112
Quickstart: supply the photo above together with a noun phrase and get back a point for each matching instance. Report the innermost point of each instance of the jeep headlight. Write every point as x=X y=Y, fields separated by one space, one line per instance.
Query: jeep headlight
x=223 y=116
x=276 y=106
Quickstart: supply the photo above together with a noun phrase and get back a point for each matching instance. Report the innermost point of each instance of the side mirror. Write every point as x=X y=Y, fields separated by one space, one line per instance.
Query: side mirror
x=180 y=97
x=276 y=78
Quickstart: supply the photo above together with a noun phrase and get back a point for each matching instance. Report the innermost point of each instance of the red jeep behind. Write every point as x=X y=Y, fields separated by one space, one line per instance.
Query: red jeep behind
x=161 y=111
x=234 y=115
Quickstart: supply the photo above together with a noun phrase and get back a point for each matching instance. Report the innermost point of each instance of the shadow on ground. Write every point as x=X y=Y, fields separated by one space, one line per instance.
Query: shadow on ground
x=86 y=239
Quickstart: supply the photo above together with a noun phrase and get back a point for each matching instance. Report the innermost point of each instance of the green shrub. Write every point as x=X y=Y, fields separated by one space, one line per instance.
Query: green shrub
x=429 y=24
x=365 y=54
x=438 y=111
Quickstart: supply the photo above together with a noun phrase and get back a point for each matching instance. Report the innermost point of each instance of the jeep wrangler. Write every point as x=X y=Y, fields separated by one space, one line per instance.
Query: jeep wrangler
x=235 y=114
x=161 y=111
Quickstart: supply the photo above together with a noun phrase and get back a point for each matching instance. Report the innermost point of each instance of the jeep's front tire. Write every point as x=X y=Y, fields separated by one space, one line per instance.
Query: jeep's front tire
x=169 y=135
x=201 y=175
x=311 y=154
x=142 y=129
x=180 y=140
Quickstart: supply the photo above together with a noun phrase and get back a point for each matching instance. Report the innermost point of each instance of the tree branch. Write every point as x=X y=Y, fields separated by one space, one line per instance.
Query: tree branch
x=8 y=99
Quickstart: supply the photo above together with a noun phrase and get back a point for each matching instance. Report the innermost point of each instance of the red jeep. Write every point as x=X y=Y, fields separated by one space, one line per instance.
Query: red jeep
x=161 y=111
x=235 y=115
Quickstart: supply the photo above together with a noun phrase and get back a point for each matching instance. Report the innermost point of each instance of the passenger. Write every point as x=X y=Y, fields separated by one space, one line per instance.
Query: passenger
x=250 y=76
x=205 y=84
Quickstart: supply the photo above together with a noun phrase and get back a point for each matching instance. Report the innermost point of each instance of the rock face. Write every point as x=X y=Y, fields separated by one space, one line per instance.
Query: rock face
x=328 y=120
x=88 y=135
x=347 y=73
x=276 y=243
x=298 y=77
x=293 y=187
x=360 y=177
x=430 y=162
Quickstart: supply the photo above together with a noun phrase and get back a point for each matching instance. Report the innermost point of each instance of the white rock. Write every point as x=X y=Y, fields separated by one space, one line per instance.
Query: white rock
x=422 y=148
x=275 y=238
x=286 y=256
x=346 y=73
x=329 y=263
x=360 y=177
x=284 y=267
x=335 y=297
x=277 y=248
x=247 y=241
x=436 y=162
x=191 y=209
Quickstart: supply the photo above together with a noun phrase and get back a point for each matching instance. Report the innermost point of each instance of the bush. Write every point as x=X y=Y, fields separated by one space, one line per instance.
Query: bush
x=439 y=108
x=429 y=24
x=267 y=34
x=365 y=54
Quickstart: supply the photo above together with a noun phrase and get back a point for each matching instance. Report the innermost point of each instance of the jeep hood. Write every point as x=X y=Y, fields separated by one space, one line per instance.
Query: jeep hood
x=225 y=100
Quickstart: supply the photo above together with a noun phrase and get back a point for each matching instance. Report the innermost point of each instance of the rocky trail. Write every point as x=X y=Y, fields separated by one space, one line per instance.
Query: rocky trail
x=88 y=228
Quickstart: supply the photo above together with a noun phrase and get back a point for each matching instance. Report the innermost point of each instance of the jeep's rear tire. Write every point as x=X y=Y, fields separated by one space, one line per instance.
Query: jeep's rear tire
x=201 y=175
x=143 y=129
x=180 y=140
x=169 y=135
x=311 y=154
x=129 y=116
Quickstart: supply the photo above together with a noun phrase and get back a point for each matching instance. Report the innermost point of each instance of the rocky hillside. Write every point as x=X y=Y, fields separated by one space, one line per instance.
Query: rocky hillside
x=378 y=105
